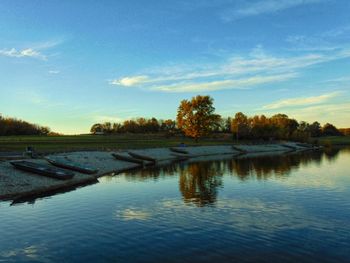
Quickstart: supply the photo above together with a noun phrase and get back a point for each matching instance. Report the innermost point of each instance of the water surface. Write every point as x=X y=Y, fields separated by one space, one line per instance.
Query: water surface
x=291 y=208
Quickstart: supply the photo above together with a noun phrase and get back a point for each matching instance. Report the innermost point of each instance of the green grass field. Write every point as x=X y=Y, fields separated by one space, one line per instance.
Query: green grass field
x=120 y=141
x=97 y=142
x=335 y=140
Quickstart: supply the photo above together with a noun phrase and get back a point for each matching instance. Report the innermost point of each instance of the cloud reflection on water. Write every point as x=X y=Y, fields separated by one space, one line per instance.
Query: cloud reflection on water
x=133 y=213
x=30 y=253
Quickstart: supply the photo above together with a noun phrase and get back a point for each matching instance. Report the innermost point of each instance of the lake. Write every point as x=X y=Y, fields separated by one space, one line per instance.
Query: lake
x=292 y=208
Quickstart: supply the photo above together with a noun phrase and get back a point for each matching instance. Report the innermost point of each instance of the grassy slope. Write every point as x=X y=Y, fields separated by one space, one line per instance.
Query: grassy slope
x=335 y=140
x=122 y=141
x=90 y=142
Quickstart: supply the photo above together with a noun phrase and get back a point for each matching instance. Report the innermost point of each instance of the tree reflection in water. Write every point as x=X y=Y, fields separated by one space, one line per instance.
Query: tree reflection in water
x=153 y=173
x=199 y=182
x=264 y=167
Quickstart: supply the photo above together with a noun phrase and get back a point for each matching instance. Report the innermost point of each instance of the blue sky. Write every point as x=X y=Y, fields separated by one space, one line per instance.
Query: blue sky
x=70 y=64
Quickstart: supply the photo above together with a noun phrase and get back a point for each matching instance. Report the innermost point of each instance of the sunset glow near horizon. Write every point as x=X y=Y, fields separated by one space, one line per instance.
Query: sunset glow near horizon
x=70 y=64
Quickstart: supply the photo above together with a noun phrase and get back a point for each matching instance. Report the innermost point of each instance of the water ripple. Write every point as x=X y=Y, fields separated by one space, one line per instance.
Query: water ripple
x=285 y=209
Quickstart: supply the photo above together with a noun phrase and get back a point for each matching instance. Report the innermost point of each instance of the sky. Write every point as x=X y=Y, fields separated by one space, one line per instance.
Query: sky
x=69 y=64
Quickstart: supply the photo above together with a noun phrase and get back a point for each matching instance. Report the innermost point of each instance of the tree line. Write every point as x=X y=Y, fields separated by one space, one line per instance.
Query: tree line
x=137 y=125
x=196 y=118
x=12 y=126
x=279 y=126
x=345 y=131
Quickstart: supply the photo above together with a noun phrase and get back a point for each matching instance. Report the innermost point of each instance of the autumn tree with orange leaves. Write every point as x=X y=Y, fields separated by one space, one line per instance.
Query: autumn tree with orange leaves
x=196 y=117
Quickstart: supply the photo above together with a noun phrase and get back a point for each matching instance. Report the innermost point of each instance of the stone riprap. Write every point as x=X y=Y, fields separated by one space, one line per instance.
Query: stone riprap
x=16 y=183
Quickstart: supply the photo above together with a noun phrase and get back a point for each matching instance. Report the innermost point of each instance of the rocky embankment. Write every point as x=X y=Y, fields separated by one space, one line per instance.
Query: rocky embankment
x=15 y=183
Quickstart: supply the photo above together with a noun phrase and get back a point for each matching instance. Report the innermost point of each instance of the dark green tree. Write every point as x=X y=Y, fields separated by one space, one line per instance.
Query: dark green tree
x=330 y=130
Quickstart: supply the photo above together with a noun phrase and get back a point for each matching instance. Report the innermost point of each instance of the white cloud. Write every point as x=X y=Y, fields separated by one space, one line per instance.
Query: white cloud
x=235 y=72
x=336 y=113
x=325 y=41
x=330 y=108
x=48 y=44
x=338 y=80
x=54 y=71
x=310 y=43
x=263 y=7
x=29 y=52
x=130 y=81
x=300 y=101
x=106 y=118
x=336 y=32
x=224 y=84
x=243 y=65
x=33 y=51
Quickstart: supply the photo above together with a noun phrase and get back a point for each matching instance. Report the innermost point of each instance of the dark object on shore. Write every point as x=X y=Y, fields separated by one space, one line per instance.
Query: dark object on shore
x=177 y=150
x=67 y=164
x=142 y=157
x=30 y=152
x=127 y=158
x=305 y=145
x=239 y=149
x=302 y=147
x=11 y=156
x=289 y=147
x=181 y=157
x=43 y=169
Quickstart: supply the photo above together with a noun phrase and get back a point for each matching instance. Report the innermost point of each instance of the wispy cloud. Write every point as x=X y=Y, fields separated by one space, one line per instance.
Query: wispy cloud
x=130 y=81
x=310 y=43
x=338 y=80
x=37 y=99
x=33 y=50
x=342 y=31
x=236 y=72
x=29 y=52
x=263 y=7
x=107 y=118
x=224 y=84
x=120 y=115
x=336 y=113
x=51 y=43
x=303 y=101
x=328 y=40
x=54 y=71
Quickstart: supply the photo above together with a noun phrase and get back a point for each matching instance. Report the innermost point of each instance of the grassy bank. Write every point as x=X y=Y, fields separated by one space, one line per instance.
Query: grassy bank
x=120 y=141
x=91 y=142
x=335 y=140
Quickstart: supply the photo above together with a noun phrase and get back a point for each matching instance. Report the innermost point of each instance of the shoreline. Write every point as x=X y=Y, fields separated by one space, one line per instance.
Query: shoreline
x=16 y=184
